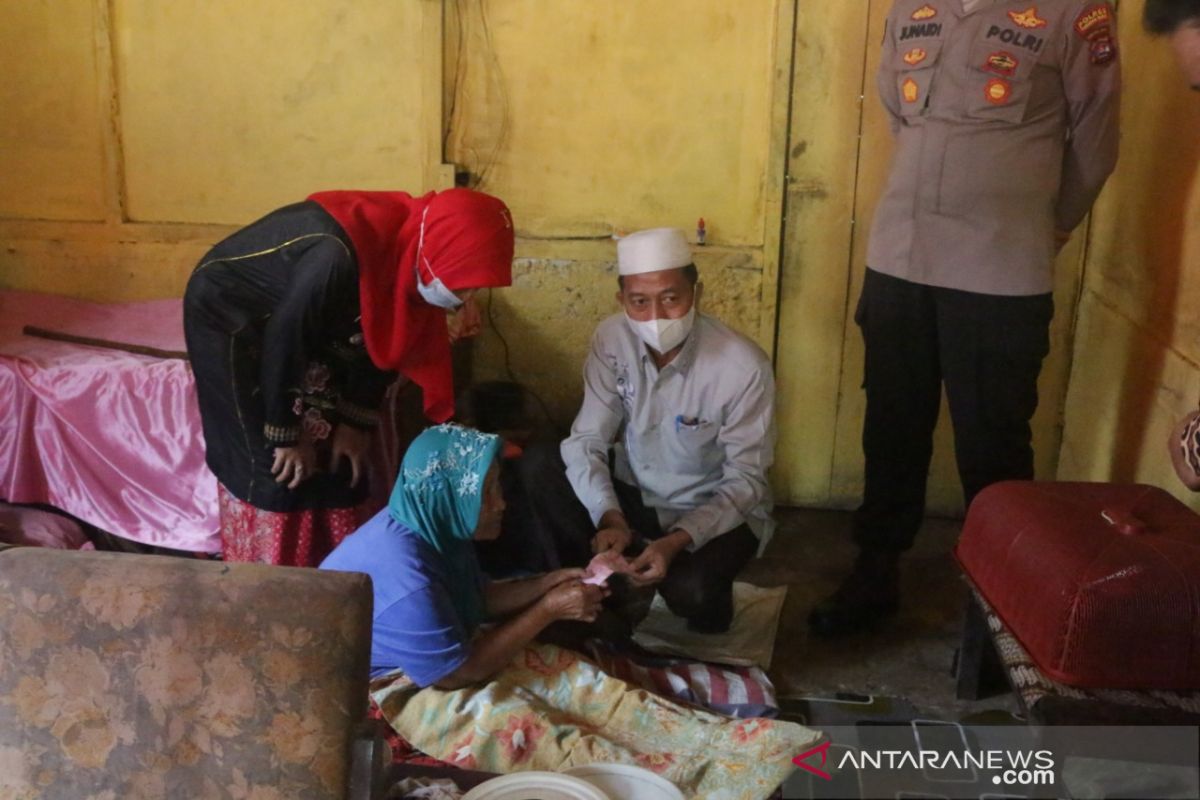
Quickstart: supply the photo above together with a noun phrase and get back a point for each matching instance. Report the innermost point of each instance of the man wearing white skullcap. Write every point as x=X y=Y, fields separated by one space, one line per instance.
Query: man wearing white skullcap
x=667 y=460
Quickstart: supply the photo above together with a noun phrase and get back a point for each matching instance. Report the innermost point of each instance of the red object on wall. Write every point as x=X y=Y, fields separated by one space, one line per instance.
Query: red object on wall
x=1100 y=583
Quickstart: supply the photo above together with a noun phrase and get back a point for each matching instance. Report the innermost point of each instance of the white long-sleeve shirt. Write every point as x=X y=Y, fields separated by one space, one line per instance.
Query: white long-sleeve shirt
x=697 y=437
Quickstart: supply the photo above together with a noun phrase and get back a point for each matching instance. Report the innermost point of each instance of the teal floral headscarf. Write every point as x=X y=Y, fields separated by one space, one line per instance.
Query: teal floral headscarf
x=438 y=495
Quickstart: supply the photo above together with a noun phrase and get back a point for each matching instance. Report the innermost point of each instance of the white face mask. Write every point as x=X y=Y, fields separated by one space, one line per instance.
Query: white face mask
x=435 y=292
x=663 y=335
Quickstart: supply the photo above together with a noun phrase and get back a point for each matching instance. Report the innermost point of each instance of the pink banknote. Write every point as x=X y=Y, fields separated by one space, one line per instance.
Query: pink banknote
x=604 y=566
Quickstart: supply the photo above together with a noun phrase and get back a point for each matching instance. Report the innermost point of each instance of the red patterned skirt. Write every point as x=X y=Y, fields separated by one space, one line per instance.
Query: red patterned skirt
x=290 y=539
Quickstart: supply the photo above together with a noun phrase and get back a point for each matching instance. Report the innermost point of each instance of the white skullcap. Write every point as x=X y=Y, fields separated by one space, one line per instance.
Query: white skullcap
x=652 y=250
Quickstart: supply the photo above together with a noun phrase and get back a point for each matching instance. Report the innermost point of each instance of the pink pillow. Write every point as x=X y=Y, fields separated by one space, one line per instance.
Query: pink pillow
x=33 y=528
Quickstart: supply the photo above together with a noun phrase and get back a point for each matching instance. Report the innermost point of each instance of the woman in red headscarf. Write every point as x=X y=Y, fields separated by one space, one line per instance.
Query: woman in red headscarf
x=295 y=327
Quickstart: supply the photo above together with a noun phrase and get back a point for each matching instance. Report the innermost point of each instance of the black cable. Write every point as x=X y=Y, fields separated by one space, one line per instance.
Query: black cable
x=509 y=370
x=460 y=31
x=502 y=88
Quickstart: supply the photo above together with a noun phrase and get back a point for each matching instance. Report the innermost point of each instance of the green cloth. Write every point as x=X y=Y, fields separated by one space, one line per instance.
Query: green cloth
x=439 y=494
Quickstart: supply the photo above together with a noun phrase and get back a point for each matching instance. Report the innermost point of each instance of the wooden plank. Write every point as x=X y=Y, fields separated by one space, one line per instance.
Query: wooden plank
x=1136 y=359
x=435 y=173
x=593 y=117
x=822 y=164
x=110 y=114
x=228 y=111
x=875 y=153
x=51 y=159
x=107 y=270
x=1128 y=389
x=783 y=46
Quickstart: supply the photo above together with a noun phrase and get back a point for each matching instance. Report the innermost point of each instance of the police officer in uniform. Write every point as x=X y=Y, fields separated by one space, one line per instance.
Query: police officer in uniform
x=1005 y=117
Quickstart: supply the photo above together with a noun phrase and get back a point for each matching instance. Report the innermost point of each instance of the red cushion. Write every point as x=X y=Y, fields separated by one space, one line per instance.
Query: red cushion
x=1099 y=582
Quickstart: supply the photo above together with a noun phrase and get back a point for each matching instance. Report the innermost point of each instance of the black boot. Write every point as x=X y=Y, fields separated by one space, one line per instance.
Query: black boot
x=867 y=596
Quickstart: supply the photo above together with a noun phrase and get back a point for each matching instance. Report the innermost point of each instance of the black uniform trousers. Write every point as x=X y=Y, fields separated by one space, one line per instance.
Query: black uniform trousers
x=698 y=585
x=987 y=351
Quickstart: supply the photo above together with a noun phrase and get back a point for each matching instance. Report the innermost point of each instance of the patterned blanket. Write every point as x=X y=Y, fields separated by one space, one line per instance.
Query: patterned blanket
x=552 y=709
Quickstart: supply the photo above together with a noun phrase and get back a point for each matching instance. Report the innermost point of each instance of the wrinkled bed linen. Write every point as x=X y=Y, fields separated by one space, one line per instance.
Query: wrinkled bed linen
x=111 y=437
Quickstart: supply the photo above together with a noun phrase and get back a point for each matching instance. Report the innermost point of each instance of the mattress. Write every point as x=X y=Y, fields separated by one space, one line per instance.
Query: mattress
x=111 y=437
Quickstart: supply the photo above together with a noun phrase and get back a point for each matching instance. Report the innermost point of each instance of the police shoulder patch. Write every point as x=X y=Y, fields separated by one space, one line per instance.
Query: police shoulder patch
x=1094 y=25
x=1103 y=50
x=1092 y=19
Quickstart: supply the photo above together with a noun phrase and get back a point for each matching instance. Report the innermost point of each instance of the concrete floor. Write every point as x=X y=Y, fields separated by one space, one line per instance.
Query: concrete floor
x=910 y=657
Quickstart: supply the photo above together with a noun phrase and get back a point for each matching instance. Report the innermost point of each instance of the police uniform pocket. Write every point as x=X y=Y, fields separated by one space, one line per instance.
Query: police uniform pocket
x=914 y=68
x=999 y=84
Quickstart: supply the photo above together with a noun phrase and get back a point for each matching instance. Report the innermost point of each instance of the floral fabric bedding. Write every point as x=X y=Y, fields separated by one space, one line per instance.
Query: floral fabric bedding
x=552 y=709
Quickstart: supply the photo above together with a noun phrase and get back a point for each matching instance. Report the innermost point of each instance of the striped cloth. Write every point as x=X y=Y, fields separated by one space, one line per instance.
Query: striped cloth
x=736 y=691
x=1189 y=443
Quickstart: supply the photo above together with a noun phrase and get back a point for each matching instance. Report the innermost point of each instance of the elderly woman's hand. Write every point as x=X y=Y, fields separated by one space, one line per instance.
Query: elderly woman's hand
x=552 y=579
x=574 y=600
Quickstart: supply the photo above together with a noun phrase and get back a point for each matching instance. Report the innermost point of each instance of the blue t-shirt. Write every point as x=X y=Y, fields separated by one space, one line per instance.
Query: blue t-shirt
x=416 y=627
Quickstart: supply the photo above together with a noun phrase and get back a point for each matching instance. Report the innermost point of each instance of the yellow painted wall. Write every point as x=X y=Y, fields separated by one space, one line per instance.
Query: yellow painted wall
x=823 y=157
x=561 y=291
x=51 y=150
x=594 y=117
x=1137 y=348
x=587 y=118
x=229 y=109
x=121 y=118
x=591 y=119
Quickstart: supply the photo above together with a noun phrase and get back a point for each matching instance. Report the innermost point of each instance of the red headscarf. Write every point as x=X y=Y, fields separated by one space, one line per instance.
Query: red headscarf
x=467 y=243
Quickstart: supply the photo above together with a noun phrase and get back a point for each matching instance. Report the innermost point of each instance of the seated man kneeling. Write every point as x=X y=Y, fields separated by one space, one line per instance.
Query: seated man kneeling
x=667 y=460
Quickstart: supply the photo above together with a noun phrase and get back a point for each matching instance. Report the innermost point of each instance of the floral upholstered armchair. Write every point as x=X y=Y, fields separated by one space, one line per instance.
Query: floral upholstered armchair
x=145 y=676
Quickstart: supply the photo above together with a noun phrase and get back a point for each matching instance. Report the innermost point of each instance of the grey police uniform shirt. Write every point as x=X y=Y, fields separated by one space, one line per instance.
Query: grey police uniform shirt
x=1006 y=124
x=697 y=437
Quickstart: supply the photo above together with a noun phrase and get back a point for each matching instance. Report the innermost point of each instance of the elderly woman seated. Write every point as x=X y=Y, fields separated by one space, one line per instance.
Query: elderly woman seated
x=430 y=595
x=457 y=674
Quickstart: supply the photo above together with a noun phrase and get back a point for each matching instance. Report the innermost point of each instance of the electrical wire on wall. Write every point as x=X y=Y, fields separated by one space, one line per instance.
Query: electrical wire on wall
x=476 y=144
x=477 y=159
x=459 y=47
x=472 y=139
x=508 y=370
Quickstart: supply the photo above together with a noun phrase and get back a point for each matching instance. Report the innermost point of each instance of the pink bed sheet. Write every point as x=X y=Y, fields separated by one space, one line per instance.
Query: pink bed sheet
x=110 y=437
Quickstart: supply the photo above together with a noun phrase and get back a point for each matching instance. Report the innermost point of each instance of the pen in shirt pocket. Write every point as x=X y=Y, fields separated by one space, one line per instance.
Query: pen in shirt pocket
x=686 y=422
